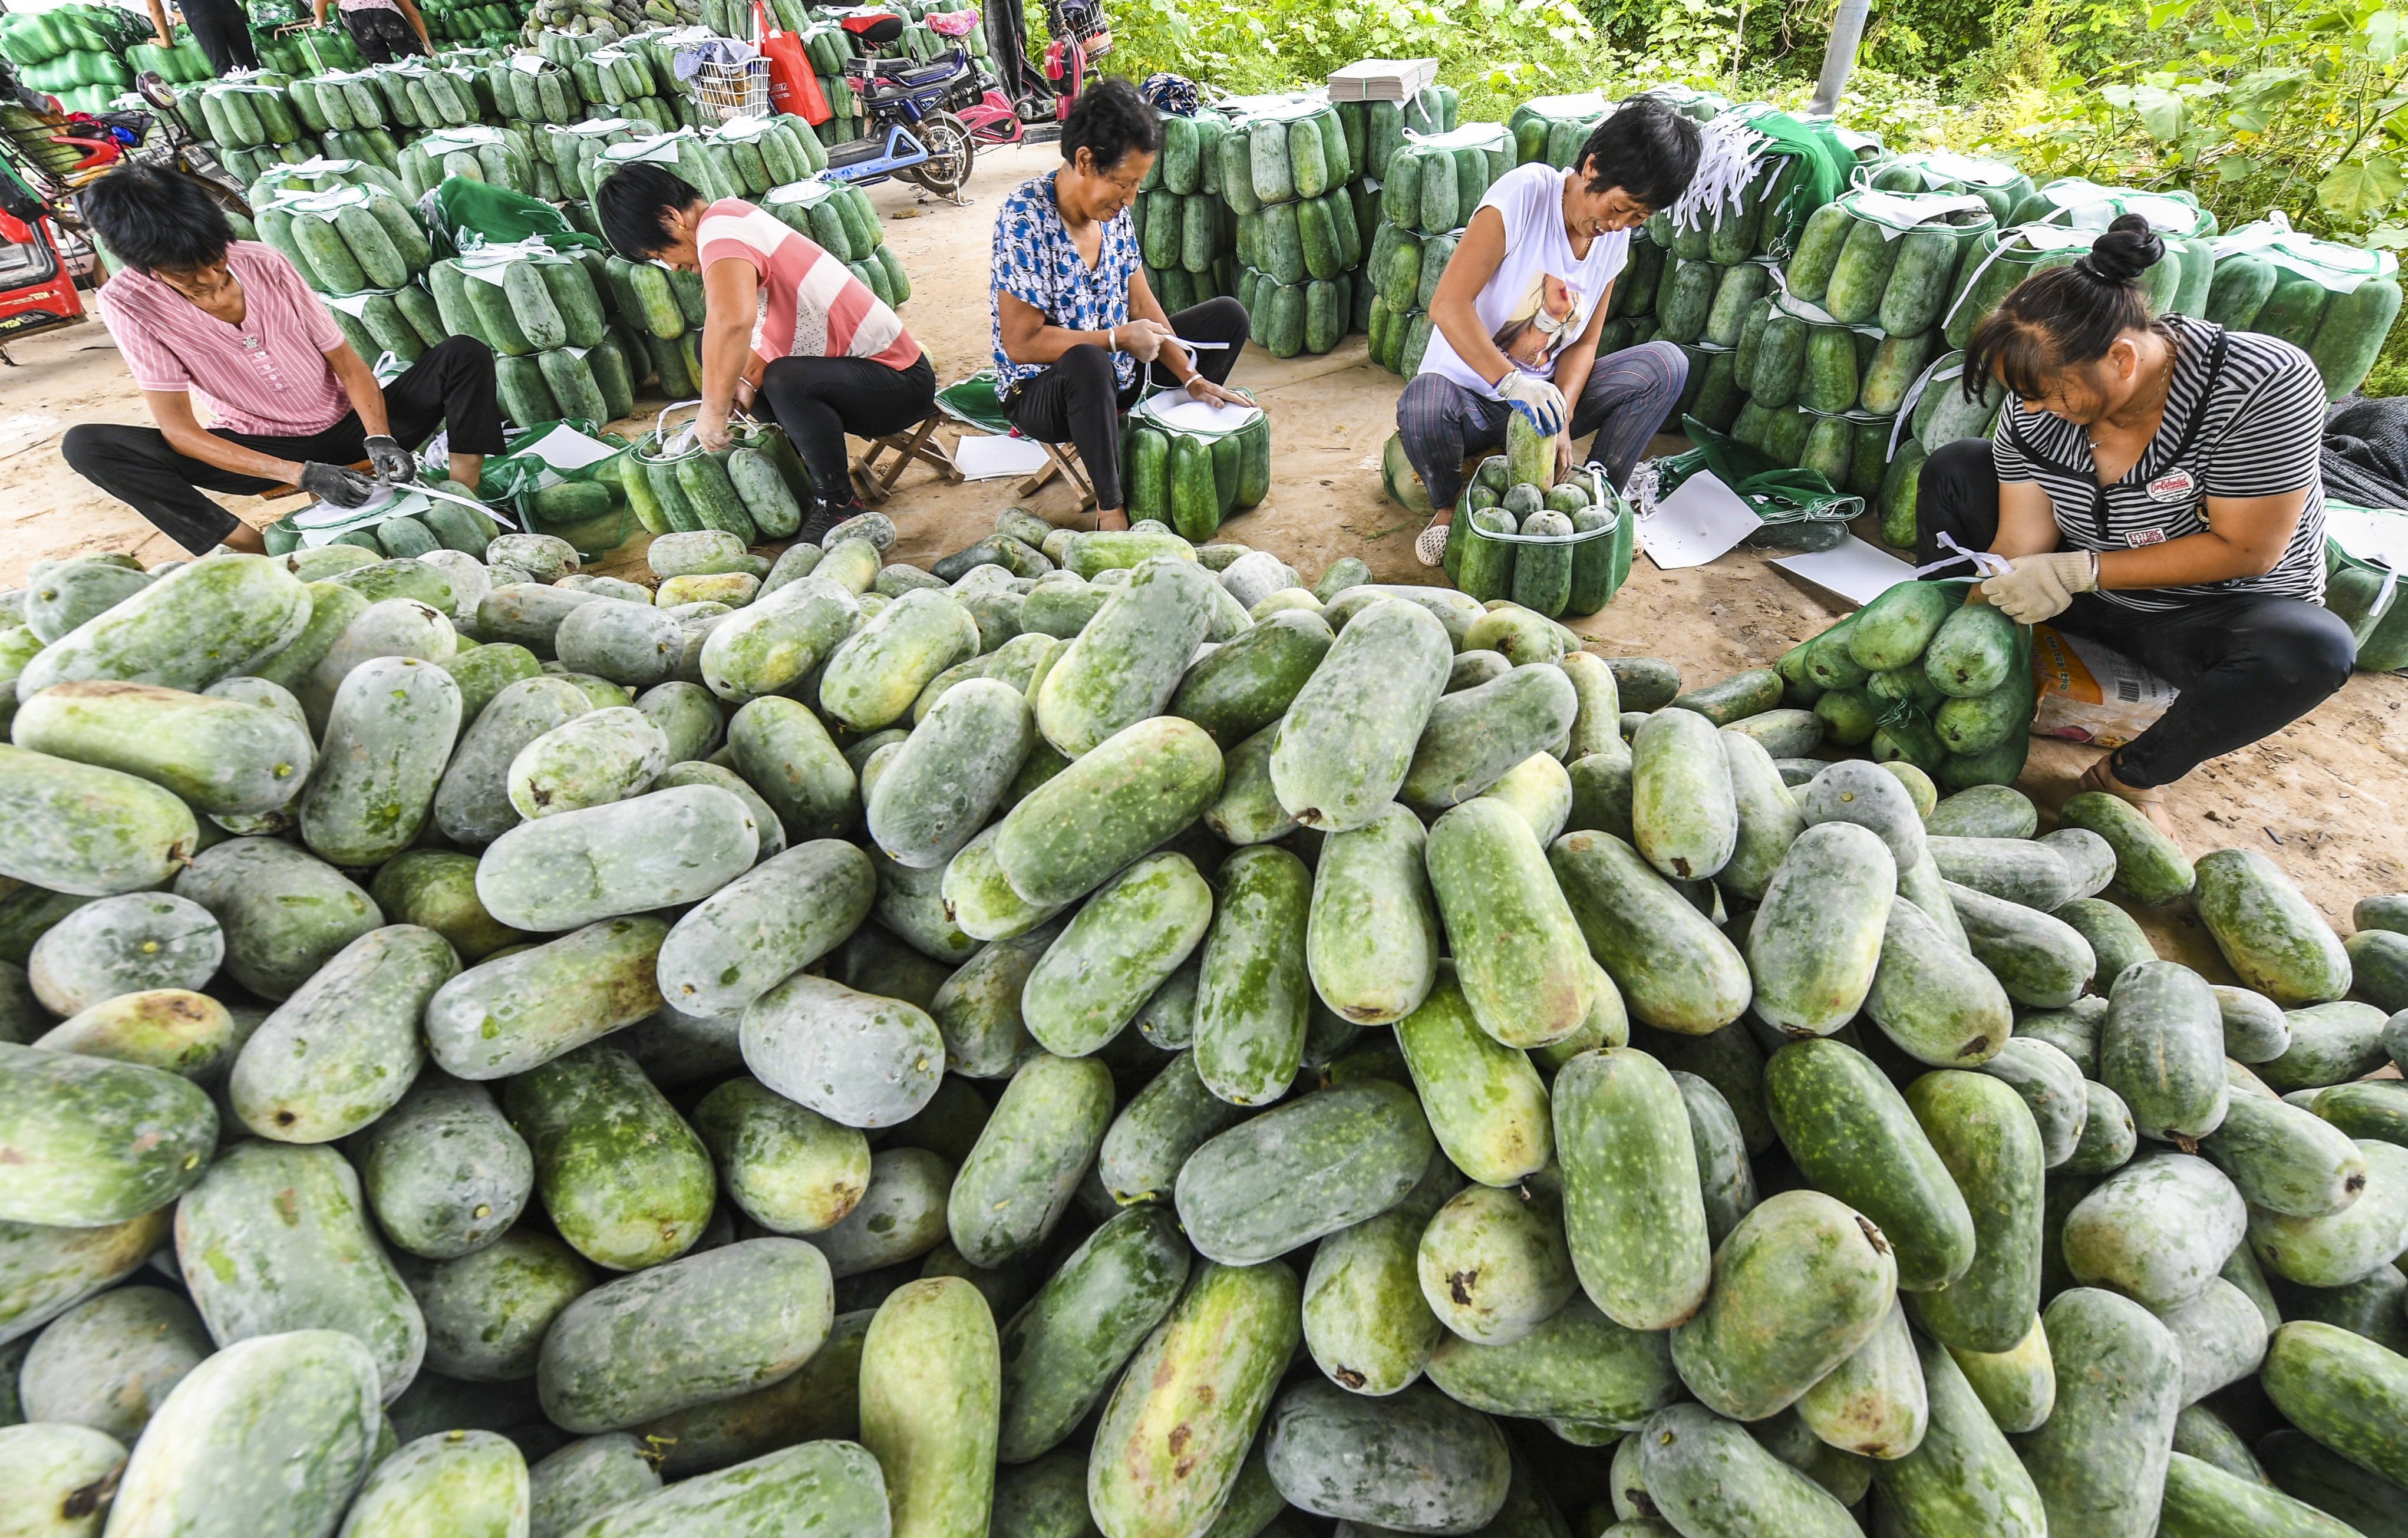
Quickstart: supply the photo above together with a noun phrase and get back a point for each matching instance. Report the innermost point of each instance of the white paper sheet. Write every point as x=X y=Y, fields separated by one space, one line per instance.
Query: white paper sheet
x=566 y=449
x=2371 y=535
x=982 y=457
x=1854 y=570
x=1696 y=524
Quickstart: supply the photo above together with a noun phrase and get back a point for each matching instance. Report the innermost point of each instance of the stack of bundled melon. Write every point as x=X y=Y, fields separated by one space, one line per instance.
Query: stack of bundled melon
x=605 y=21
x=1186 y=231
x=1920 y=676
x=1821 y=369
x=2050 y=226
x=540 y=311
x=503 y=156
x=70 y=52
x=840 y=219
x=657 y=314
x=920 y=1057
x=1291 y=172
x=2332 y=301
x=2054 y=223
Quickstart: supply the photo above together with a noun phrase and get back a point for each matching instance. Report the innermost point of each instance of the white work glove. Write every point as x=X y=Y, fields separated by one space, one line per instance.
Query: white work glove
x=1535 y=398
x=2040 y=587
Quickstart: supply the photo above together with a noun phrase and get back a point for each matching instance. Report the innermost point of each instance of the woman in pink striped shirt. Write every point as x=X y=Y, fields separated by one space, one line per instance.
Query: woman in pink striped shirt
x=786 y=321
x=195 y=310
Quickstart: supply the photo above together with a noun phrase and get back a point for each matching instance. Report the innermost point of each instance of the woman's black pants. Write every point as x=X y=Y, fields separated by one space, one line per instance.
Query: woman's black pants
x=2247 y=666
x=819 y=400
x=1077 y=398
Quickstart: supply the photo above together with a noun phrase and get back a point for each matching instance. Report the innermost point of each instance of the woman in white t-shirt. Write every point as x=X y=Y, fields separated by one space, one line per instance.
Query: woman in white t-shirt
x=1514 y=323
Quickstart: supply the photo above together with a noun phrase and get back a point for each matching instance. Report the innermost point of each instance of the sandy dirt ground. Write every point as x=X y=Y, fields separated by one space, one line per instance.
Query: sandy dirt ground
x=2327 y=799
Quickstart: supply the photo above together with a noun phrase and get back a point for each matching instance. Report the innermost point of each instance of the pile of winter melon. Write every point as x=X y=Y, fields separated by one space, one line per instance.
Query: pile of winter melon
x=1099 y=1038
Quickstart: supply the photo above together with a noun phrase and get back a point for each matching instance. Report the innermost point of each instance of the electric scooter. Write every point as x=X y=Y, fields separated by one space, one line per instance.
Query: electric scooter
x=911 y=131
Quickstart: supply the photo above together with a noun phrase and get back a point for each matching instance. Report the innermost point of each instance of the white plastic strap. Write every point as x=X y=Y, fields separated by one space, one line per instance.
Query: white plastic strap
x=1983 y=563
x=2013 y=238
x=1932 y=374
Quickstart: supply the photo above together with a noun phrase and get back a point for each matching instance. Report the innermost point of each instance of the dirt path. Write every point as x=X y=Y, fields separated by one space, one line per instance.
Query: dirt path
x=2326 y=799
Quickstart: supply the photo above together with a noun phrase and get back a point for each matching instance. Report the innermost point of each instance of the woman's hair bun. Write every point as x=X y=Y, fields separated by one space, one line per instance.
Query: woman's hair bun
x=2124 y=250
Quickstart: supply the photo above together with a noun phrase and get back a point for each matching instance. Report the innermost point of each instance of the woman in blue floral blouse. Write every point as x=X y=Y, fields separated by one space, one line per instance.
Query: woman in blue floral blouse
x=1074 y=320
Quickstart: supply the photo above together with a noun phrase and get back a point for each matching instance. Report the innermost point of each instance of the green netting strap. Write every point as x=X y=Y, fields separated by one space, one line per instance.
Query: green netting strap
x=1778 y=493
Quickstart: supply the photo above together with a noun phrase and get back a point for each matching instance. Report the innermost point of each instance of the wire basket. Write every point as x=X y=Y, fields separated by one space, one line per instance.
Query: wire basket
x=727 y=91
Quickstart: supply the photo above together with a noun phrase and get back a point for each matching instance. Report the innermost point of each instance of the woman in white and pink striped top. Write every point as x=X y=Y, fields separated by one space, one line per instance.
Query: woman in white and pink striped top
x=195 y=310
x=787 y=322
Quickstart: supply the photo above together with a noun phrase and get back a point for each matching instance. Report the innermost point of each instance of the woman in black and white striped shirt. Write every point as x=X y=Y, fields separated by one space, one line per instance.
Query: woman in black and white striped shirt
x=2153 y=483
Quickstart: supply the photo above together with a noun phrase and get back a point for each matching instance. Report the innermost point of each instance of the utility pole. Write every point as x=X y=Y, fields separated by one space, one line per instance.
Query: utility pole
x=1840 y=56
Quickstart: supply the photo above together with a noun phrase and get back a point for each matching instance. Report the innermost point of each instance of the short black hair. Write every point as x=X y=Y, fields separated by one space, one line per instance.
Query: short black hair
x=150 y=219
x=1110 y=120
x=634 y=204
x=1644 y=148
x=2066 y=317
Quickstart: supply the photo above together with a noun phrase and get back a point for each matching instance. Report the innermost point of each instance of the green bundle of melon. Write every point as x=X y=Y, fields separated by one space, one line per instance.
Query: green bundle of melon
x=348 y=240
x=542 y=312
x=529 y=89
x=1998 y=185
x=1520 y=535
x=1106 y=1036
x=339 y=102
x=320 y=176
x=1889 y=259
x=1815 y=393
x=1428 y=178
x=1553 y=128
x=1630 y=317
x=1402 y=268
x=74 y=51
x=2334 y=302
x=182 y=65
x=245 y=117
x=1288 y=237
x=2056 y=223
x=682 y=150
x=418 y=95
x=479 y=151
x=1189 y=241
x=615 y=77
x=1922 y=676
x=1192 y=480
x=1432 y=183
x=756 y=154
x=756 y=489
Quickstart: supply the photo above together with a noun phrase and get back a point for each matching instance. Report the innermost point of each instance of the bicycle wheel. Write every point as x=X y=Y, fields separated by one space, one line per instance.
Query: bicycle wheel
x=950 y=154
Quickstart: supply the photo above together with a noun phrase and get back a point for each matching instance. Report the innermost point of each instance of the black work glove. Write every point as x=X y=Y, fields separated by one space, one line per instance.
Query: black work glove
x=392 y=464
x=344 y=488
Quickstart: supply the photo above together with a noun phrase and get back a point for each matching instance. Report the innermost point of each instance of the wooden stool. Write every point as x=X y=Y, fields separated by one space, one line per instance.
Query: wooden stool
x=1062 y=459
x=919 y=443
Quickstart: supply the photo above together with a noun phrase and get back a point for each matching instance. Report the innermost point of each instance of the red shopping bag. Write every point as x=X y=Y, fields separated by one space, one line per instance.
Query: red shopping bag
x=792 y=87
